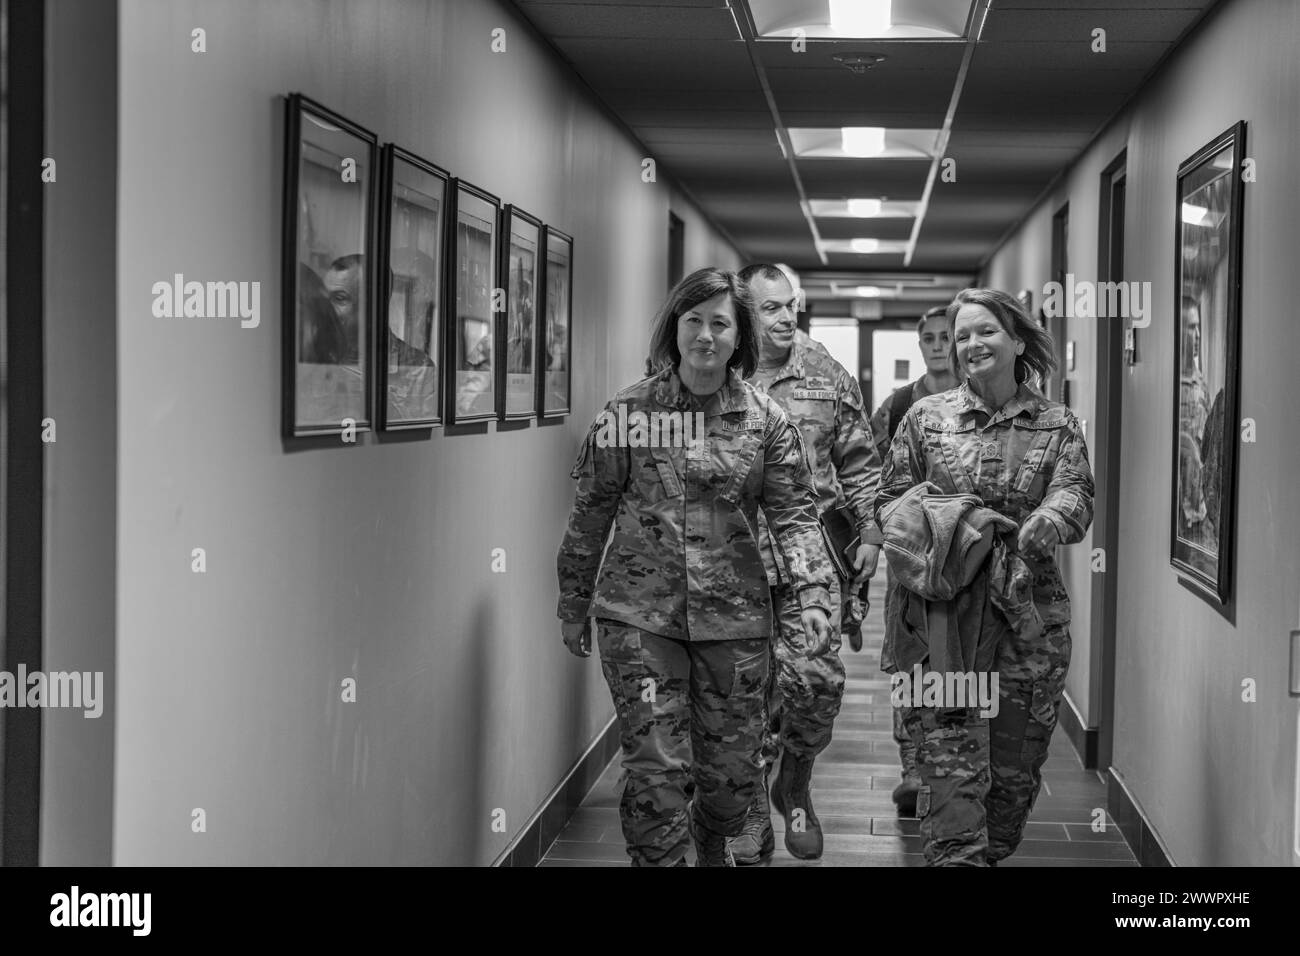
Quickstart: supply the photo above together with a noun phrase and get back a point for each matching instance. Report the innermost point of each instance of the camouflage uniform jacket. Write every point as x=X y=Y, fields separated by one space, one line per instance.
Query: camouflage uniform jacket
x=684 y=561
x=1028 y=458
x=824 y=401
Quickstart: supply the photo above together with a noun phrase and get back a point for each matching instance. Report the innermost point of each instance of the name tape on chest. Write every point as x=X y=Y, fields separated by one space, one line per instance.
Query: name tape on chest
x=750 y=423
x=815 y=394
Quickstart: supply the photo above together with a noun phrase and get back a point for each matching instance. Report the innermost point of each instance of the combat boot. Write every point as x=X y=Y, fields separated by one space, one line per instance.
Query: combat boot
x=757 y=841
x=905 y=793
x=710 y=849
x=792 y=792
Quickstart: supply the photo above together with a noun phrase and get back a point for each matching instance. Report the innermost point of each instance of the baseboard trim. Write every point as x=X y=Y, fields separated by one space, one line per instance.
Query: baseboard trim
x=1142 y=837
x=535 y=839
x=1086 y=740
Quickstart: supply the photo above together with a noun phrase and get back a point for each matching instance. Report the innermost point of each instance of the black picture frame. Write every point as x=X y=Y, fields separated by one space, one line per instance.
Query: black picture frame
x=413 y=233
x=517 y=372
x=473 y=304
x=1208 y=214
x=328 y=304
x=555 y=341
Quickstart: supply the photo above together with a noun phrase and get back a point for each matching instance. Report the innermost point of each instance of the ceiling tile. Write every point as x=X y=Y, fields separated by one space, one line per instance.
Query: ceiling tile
x=625 y=20
x=1122 y=25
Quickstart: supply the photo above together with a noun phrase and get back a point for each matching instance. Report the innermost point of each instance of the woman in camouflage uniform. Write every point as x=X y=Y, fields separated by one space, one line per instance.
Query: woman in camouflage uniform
x=1024 y=456
x=681 y=609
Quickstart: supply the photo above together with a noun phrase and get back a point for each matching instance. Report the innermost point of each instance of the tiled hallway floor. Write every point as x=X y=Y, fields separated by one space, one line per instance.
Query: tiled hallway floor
x=851 y=791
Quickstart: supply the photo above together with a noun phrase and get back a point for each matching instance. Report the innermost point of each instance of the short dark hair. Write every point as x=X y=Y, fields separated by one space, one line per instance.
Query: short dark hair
x=938 y=312
x=1039 y=356
x=700 y=286
x=762 y=270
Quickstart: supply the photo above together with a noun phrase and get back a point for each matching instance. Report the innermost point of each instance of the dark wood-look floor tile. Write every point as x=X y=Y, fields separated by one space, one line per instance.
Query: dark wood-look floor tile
x=552 y=861
x=1084 y=833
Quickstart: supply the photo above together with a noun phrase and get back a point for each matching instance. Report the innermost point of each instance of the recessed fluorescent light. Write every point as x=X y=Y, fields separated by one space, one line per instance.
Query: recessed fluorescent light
x=868 y=291
x=1193 y=215
x=864 y=245
x=864 y=208
x=863 y=140
x=861 y=18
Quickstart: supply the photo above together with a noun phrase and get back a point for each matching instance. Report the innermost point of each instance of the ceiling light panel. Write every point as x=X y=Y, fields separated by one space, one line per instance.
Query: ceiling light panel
x=865 y=208
x=863 y=143
x=865 y=246
x=862 y=19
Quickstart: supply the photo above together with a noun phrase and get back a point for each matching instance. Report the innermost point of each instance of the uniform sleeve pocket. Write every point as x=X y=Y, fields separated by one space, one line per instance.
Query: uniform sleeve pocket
x=583 y=461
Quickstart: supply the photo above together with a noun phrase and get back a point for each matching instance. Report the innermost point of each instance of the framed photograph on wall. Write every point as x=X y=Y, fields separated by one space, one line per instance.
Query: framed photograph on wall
x=471 y=331
x=413 y=228
x=521 y=248
x=328 y=254
x=1207 y=271
x=555 y=358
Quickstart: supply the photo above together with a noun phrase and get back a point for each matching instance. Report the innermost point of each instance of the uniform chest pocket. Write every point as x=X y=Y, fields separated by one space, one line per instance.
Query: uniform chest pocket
x=951 y=452
x=656 y=473
x=1037 y=445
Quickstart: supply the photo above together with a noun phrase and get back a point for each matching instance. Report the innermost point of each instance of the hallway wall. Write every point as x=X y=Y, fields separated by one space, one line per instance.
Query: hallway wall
x=1214 y=774
x=371 y=561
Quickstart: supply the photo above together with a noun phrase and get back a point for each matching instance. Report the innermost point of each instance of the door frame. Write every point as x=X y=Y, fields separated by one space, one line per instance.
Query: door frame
x=23 y=408
x=1105 y=448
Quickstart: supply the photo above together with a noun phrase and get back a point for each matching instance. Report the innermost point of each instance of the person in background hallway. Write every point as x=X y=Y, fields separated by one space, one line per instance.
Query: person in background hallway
x=932 y=331
x=681 y=605
x=1195 y=523
x=997 y=438
x=824 y=401
x=345 y=286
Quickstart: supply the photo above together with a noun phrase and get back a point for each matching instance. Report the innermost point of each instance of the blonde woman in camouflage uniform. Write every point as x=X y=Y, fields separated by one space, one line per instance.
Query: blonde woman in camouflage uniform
x=999 y=439
x=681 y=610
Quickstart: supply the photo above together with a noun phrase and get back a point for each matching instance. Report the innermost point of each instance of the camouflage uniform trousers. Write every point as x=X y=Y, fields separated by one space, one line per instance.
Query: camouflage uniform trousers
x=690 y=716
x=980 y=776
x=804 y=693
x=906 y=748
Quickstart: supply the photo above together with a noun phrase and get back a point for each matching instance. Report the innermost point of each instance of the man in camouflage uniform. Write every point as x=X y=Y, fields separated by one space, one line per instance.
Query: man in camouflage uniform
x=683 y=613
x=1027 y=461
x=824 y=401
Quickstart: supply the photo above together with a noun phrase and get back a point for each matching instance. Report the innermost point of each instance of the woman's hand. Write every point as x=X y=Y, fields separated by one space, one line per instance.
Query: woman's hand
x=816 y=630
x=577 y=637
x=864 y=562
x=1037 y=538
